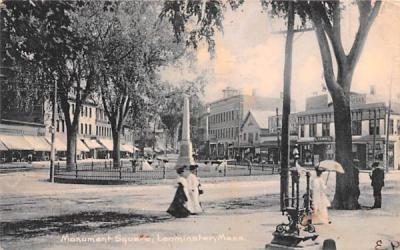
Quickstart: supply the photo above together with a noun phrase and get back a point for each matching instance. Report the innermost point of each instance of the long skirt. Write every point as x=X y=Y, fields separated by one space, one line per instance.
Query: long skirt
x=177 y=207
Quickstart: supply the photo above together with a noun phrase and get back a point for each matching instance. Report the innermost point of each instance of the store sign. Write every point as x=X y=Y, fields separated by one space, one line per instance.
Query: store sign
x=323 y=138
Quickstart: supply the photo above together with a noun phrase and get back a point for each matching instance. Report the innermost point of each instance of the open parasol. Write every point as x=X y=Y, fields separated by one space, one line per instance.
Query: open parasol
x=330 y=165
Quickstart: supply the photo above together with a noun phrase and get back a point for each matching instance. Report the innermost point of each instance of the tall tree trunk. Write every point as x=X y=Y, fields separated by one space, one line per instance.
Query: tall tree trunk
x=346 y=188
x=71 y=146
x=116 y=148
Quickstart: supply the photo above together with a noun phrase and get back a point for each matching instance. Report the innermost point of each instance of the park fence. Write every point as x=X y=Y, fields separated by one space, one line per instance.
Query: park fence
x=129 y=172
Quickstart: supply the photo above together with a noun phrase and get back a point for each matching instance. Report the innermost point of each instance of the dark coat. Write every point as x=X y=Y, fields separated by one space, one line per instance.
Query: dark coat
x=177 y=207
x=378 y=178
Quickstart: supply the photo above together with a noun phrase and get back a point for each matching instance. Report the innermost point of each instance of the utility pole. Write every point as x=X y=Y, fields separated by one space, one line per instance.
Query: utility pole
x=374 y=138
x=387 y=162
x=53 y=135
x=287 y=77
x=238 y=134
x=288 y=236
x=278 y=134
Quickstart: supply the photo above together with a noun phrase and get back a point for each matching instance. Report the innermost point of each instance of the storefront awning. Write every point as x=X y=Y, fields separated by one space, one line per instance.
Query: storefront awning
x=3 y=147
x=92 y=144
x=80 y=146
x=60 y=143
x=107 y=144
x=15 y=142
x=38 y=143
x=127 y=148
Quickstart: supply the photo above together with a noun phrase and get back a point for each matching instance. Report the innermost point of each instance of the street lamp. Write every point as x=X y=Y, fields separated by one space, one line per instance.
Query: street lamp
x=288 y=234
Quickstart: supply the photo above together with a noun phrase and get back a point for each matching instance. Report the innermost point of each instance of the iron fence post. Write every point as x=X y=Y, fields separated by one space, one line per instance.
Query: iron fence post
x=225 y=169
x=120 y=173
x=76 y=170
x=164 y=172
x=293 y=188
x=92 y=165
x=249 y=168
x=105 y=164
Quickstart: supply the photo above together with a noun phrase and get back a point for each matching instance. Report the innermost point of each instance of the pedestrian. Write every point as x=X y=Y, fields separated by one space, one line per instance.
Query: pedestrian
x=222 y=166
x=194 y=187
x=320 y=200
x=181 y=204
x=237 y=159
x=377 y=182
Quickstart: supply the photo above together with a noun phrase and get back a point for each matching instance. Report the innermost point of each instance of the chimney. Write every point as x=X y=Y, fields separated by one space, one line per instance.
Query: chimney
x=372 y=90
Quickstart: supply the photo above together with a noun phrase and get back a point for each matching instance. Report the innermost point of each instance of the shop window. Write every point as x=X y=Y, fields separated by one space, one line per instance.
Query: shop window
x=398 y=127
x=356 y=127
x=326 y=129
x=244 y=136
x=313 y=129
x=374 y=123
x=391 y=130
x=302 y=130
x=250 y=137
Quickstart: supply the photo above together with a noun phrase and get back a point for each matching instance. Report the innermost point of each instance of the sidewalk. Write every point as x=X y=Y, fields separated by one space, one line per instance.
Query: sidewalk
x=243 y=228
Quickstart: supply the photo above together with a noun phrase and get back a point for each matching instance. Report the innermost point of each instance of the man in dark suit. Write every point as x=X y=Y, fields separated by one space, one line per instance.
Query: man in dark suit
x=377 y=182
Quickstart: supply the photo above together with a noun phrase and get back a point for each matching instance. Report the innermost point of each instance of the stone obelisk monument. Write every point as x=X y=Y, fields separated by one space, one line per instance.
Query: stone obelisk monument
x=185 y=151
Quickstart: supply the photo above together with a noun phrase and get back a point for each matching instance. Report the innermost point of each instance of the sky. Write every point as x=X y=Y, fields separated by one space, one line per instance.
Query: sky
x=250 y=55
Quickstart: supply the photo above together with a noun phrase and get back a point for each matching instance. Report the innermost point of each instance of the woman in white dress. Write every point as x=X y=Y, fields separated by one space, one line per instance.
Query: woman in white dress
x=320 y=201
x=146 y=166
x=193 y=186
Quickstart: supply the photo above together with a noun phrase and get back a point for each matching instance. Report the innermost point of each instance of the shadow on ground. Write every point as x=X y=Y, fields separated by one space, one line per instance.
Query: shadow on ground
x=101 y=220
x=72 y=223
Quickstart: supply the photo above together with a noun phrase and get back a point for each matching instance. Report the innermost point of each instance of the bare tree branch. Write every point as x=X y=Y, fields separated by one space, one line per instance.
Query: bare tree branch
x=367 y=17
x=325 y=52
x=332 y=30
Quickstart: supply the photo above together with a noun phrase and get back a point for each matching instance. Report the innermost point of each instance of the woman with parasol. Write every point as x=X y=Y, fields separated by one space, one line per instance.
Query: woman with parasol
x=320 y=199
